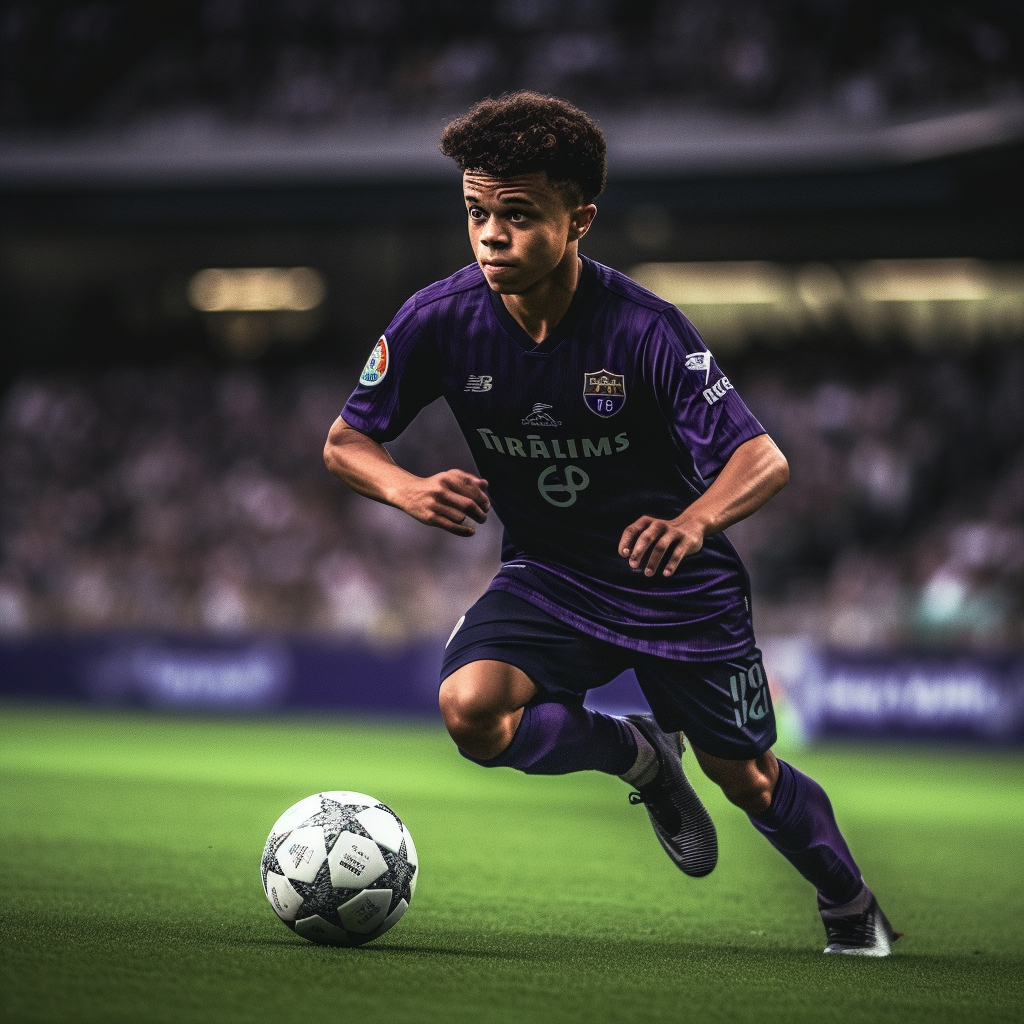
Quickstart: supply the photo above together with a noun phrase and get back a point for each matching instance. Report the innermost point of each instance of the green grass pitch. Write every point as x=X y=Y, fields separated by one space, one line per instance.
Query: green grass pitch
x=130 y=889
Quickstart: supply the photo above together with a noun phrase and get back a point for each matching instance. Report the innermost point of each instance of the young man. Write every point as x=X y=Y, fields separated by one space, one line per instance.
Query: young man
x=616 y=454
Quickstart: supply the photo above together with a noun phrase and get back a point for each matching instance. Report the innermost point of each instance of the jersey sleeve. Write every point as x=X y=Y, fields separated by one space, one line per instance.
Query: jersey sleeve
x=399 y=379
x=702 y=409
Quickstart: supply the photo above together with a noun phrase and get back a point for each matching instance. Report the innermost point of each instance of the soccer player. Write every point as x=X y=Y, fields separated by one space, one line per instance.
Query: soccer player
x=616 y=453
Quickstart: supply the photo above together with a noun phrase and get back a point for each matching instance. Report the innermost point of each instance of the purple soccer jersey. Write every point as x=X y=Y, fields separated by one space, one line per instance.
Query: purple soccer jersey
x=620 y=412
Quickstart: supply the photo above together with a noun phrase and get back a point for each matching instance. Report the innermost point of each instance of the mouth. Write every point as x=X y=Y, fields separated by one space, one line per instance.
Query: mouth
x=496 y=265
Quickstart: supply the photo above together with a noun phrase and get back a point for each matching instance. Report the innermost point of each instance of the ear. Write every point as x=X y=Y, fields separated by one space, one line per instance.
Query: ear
x=580 y=220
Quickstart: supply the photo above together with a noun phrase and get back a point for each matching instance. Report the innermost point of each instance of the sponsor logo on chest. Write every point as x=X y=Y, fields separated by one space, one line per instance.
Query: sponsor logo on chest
x=550 y=448
x=558 y=484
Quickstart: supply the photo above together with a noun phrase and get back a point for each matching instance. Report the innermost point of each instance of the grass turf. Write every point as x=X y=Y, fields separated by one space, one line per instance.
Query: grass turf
x=130 y=847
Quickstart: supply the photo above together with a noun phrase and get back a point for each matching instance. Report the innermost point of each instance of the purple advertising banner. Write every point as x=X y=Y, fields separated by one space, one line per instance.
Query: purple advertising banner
x=825 y=693
x=239 y=675
x=926 y=696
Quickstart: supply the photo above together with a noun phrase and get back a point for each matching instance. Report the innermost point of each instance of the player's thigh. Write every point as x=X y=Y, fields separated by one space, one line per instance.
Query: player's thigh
x=558 y=661
x=723 y=707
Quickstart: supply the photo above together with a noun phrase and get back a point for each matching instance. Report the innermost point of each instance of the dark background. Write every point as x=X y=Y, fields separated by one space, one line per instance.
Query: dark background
x=161 y=466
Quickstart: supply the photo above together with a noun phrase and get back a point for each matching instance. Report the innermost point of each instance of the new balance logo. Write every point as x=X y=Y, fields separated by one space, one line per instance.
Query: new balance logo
x=749 y=695
x=717 y=390
x=479 y=382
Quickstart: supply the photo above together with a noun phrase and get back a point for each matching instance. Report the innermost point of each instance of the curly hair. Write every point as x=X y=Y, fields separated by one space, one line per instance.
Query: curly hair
x=520 y=132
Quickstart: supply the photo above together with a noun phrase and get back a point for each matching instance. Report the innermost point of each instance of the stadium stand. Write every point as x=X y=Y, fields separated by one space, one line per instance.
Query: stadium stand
x=186 y=494
x=344 y=61
x=184 y=499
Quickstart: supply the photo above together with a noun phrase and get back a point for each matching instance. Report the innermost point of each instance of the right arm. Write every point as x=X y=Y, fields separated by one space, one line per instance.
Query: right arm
x=445 y=500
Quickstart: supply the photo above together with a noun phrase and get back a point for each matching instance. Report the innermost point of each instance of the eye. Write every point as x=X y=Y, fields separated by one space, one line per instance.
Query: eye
x=475 y=213
x=518 y=217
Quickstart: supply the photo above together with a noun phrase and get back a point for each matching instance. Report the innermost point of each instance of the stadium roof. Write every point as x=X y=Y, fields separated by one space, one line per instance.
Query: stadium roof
x=200 y=150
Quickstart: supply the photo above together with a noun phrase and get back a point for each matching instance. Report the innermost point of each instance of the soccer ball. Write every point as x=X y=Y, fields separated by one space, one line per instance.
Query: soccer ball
x=339 y=868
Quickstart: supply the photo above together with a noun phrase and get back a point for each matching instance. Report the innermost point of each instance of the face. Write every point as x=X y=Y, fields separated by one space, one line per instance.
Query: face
x=520 y=228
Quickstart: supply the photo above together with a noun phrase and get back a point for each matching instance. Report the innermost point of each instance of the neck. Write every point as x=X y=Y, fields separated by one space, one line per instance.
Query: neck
x=539 y=309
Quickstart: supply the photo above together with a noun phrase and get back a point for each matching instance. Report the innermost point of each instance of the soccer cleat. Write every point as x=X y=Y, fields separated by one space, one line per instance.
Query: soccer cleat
x=681 y=822
x=865 y=932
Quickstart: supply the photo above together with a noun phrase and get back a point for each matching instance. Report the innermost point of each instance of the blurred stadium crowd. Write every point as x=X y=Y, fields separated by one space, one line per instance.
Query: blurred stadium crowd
x=193 y=498
x=341 y=61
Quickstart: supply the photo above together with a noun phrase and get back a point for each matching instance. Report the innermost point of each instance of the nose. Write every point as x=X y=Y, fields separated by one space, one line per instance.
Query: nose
x=493 y=235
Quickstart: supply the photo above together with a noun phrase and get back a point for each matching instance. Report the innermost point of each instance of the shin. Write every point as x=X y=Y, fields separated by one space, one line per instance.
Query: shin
x=794 y=814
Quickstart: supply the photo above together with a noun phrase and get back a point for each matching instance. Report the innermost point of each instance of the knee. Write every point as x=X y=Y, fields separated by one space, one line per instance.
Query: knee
x=465 y=709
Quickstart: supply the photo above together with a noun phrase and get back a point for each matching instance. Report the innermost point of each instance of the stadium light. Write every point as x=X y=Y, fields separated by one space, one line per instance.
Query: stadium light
x=715 y=284
x=928 y=301
x=256 y=290
x=923 y=281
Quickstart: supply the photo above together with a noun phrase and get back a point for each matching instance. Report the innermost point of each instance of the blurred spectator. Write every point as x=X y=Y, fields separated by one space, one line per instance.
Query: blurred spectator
x=902 y=520
x=332 y=62
x=198 y=500
x=193 y=499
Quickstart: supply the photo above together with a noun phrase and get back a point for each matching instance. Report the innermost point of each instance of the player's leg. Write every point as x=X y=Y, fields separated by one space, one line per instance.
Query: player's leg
x=495 y=714
x=482 y=705
x=514 y=679
x=795 y=815
x=513 y=683
x=726 y=711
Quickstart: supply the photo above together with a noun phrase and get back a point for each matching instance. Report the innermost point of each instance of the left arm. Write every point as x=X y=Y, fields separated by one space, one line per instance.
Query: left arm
x=755 y=472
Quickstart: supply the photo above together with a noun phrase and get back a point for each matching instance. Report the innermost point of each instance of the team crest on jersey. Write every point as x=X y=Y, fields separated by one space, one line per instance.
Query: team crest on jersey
x=540 y=417
x=377 y=365
x=604 y=392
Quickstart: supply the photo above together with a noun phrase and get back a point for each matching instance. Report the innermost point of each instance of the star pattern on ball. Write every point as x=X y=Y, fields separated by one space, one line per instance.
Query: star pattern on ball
x=319 y=898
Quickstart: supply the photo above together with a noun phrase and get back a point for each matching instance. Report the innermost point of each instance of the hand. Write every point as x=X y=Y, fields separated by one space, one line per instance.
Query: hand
x=656 y=541
x=446 y=500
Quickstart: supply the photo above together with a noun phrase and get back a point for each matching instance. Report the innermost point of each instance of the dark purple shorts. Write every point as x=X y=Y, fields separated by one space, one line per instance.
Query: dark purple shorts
x=723 y=707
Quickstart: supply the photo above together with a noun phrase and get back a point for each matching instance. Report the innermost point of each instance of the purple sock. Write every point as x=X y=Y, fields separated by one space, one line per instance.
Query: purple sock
x=554 y=739
x=801 y=826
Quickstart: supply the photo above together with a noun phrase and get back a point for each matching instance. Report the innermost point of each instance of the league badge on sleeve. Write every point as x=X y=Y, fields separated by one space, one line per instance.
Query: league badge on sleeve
x=604 y=392
x=377 y=365
x=699 y=361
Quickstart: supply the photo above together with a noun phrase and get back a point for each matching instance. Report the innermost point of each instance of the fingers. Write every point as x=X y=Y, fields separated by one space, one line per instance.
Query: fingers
x=449 y=499
x=678 y=553
x=630 y=534
x=465 y=493
x=668 y=540
x=460 y=495
x=651 y=544
x=459 y=529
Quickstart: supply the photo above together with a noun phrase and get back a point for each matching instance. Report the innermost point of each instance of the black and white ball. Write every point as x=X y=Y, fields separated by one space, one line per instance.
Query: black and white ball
x=339 y=868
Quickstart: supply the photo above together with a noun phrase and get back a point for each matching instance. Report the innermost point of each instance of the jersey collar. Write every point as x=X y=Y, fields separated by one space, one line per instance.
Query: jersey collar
x=564 y=328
